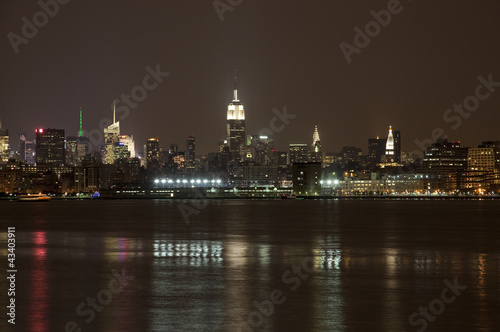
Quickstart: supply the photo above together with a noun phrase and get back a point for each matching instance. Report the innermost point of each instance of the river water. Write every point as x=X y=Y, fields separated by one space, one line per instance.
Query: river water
x=263 y=265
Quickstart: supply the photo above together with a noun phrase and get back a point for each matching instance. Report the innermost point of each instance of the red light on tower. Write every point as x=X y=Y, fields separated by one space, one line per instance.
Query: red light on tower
x=40 y=131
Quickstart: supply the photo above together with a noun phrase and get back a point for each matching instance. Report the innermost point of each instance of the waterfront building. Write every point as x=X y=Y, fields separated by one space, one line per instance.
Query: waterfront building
x=251 y=174
x=448 y=159
x=483 y=168
x=306 y=179
x=398 y=185
x=10 y=177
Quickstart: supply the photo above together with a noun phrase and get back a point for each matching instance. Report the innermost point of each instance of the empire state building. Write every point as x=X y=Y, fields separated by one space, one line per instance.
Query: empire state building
x=236 y=125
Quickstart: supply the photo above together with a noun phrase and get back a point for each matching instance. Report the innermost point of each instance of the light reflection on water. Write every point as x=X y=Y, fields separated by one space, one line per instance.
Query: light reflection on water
x=208 y=276
x=39 y=286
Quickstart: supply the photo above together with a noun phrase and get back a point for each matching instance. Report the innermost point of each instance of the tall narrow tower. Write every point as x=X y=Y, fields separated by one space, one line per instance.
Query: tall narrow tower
x=389 y=147
x=236 y=124
x=111 y=137
x=80 y=131
x=82 y=142
x=190 y=154
x=4 y=144
x=316 y=154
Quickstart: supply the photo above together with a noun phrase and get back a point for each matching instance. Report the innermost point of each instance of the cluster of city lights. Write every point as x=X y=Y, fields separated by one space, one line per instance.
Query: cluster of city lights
x=202 y=250
x=330 y=182
x=185 y=181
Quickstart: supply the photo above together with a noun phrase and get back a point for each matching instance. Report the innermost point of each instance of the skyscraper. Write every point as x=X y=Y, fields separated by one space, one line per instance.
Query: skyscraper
x=316 y=154
x=128 y=142
x=152 y=153
x=190 y=154
x=236 y=125
x=389 y=147
x=71 y=144
x=4 y=144
x=447 y=159
x=27 y=149
x=261 y=148
x=397 y=145
x=77 y=146
x=282 y=157
x=120 y=151
x=299 y=153
x=50 y=147
x=351 y=157
x=82 y=146
x=483 y=168
x=22 y=146
x=111 y=136
x=393 y=148
x=376 y=149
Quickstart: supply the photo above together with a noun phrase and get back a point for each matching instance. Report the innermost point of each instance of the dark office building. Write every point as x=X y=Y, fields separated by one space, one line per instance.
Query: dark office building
x=50 y=148
x=448 y=159
x=250 y=174
x=444 y=156
x=351 y=157
x=190 y=154
x=376 y=149
x=306 y=179
x=397 y=146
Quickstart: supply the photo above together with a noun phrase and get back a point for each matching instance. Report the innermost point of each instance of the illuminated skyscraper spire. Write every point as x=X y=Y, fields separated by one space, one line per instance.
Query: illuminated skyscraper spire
x=235 y=125
x=389 y=147
x=111 y=136
x=316 y=136
x=80 y=132
x=316 y=155
x=235 y=98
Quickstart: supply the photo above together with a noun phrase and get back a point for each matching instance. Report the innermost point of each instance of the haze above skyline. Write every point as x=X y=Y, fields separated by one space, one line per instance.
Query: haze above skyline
x=428 y=58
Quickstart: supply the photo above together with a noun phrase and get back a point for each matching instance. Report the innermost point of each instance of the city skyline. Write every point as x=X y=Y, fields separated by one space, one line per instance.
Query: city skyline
x=408 y=76
x=115 y=125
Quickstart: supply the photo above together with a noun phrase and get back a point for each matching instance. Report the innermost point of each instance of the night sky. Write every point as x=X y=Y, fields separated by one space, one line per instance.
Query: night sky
x=287 y=53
